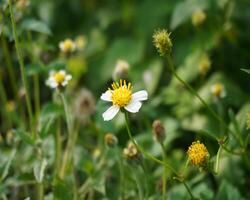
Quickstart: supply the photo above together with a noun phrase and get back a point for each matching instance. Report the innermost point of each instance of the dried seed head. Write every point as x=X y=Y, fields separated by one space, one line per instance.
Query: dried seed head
x=110 y=140
x=158 y=131
x=132 y=154
x=162 y=42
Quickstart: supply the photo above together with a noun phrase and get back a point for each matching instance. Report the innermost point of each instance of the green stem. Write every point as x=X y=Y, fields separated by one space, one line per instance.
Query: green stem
x=154 y=158
x=10 y=69
x=66 y=111
x=138 y=184
x=170 y=64
x=22 y=69
x=6 y=114
x=58 y=148
x=164 y=178
x=217 y=160
x=40 y=194
x=120 y=163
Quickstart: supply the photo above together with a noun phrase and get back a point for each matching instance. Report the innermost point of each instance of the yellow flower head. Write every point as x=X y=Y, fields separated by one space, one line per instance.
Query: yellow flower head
x=248 y=120
x=198 y=17
x=58 y=79
x=67 y=46
x=162 y=42
x=197 y=153
x=204 y=65
x=218 y=90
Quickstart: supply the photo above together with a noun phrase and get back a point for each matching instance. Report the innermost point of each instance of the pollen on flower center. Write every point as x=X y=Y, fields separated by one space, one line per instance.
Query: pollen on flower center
x=59 y=77
x=197 y=153
x=121 y=93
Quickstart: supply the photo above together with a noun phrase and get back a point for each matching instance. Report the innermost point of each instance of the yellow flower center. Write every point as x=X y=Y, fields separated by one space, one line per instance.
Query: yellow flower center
x=217 y=89
x=59 y=77
x=121 y=93
x=197 y=153
x=68 y=45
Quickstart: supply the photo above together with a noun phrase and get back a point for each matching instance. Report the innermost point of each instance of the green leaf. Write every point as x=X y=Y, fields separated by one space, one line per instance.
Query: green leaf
x=7 y=165
x=246 y=70
x=184 y=10
x=39 y=170
x=36 y=25
x=228 y=192
x=24 y=136
x=33 y=69
x=62 y=191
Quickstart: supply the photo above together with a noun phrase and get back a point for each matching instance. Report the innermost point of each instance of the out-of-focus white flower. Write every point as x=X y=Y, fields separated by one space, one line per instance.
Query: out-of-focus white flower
x=121 y=96
x=67 y=46
x=121 y=69
x=81 y=42
x=218 y=90
x=58 y=79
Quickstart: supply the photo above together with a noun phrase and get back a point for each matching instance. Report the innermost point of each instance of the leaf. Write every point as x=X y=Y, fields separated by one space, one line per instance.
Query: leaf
x=228 y=192
x=36 y=25
x=24 y=136
x=184 y=10
x=39 y=170
x=246 y=70
x=33 y=69
x=7 y=165
x=61 y=190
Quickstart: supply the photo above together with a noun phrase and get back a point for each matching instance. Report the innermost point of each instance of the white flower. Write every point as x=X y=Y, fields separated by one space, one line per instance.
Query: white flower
x=121 y=96
x=57 y=79
x=67 y=46
x=218 y=90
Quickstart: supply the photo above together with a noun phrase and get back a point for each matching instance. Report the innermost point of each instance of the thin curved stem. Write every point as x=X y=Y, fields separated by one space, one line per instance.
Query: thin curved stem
x=22 y=69
x=164 y=178
x=148 y=155
x=171 y=66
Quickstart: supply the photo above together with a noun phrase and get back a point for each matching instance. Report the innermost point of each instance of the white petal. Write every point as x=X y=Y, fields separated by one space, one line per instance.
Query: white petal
x=62 y=71
x=53 y=84
x=110 y=113
x=140 y=96
x=107 y=96
x=133 y=106
x=61 y=46
x=68 y=77
x=64 y=83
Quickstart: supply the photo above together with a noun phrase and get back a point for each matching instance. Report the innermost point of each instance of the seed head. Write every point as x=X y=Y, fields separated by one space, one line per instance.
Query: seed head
x=162 y=42
x=132 y=154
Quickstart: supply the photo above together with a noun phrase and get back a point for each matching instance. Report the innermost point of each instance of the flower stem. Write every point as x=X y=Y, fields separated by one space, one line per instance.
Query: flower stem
x=217 y=160
x=164 y=178
x=171 y=66
x=58 y=147
x=22 y=69
x=40 y=194
x=151 y=157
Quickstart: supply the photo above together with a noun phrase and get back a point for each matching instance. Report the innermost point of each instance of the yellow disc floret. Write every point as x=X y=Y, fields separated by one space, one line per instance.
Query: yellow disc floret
x=121 y=93
x=59 y=77
x=197 y=153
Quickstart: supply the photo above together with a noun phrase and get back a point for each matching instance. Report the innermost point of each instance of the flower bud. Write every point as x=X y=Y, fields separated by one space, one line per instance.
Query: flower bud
x=204 y=65
x=162 y=42
x=158 y=131
x=121 y=69
x=198 y=17
x=110 y=140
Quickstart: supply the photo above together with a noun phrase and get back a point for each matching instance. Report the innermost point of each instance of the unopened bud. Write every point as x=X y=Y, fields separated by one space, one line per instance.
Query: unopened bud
x=121 y=69
x=110 y=140
x=162 y=42
x=158 y=131
x=132 y=154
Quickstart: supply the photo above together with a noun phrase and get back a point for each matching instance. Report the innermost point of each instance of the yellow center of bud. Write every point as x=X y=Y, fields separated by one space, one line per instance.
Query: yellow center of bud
x=197 y=153
x=121 y=93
